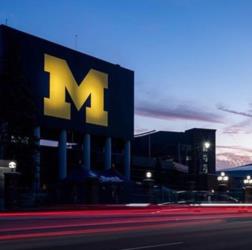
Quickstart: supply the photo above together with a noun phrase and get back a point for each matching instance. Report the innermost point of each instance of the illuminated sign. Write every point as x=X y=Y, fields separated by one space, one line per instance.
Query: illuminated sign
x=67 y=89
x=62 y=80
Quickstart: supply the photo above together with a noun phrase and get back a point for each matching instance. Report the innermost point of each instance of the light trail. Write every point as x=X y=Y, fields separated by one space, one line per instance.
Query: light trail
x=128 y=210
x=107 y=230
x=228 y=205
x=29 y=225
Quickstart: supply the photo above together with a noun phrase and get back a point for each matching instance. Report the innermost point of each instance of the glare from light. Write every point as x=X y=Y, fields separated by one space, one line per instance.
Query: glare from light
x=222 y=174
x=12 y=165
x=148 y=174
x=248 y=180
x=225 y=178
x=207 y=145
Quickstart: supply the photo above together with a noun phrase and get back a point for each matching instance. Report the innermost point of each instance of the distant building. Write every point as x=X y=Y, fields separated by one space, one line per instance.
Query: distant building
x=194 y=149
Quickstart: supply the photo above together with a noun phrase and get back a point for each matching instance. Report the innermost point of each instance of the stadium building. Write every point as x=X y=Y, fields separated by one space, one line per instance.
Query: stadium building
x=63 y=114
x=67 y=129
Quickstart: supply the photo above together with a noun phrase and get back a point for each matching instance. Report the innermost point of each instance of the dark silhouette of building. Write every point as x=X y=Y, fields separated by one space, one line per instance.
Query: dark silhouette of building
x=194 y=148
x=81 y=104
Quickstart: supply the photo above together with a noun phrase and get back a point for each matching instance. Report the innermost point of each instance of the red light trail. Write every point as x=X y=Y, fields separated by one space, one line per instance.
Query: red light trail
x=30 y=225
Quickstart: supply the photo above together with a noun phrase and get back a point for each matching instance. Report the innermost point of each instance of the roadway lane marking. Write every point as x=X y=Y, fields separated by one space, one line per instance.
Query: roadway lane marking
x=154 y=246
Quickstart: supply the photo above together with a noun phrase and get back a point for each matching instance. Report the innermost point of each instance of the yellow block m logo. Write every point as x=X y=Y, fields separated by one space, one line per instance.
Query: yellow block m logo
x=62 y=80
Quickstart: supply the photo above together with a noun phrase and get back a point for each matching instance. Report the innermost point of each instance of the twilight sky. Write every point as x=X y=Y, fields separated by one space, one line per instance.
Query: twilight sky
x=192 y=58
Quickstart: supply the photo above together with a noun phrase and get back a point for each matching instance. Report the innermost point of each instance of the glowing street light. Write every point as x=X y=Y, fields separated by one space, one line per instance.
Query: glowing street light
x=248 y=181
x=223 y=177
x=12 y=165
x=247 y=189
x=148 y=175
x=207 y=145
x=223 y=182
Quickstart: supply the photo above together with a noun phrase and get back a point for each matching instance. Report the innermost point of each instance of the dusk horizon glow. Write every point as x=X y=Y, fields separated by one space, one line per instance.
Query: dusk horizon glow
x=192 y=59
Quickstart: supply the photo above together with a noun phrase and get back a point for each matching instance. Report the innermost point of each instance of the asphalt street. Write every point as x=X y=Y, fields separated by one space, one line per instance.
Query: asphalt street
x=133 y=229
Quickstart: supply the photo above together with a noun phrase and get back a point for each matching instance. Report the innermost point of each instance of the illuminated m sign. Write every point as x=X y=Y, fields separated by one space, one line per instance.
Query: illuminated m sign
x=62 y=80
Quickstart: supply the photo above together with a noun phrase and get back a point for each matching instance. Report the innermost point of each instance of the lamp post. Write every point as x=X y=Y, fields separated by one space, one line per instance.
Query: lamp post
x=11 y=180
x=148 y=183
x=12 y=166
x=247 y=189
x=222 y=181
x=148 y=175
x=248 y=181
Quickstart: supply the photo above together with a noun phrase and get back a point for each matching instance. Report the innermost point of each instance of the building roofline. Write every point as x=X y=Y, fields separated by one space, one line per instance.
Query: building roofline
x=177 y=132
x=2 y=26
x=205 y=129
x=146 y=133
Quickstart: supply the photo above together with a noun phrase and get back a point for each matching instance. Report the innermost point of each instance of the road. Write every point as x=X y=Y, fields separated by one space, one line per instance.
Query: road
x=167 y=227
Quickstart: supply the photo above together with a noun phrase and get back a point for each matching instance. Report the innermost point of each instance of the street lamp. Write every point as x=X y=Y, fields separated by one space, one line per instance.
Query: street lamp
x=247 y=189
x=223 y=177
x=148 y=175
x=148 y=184
x=12 y=165
x=206 y=144
x=222 y=180
x=248 y=181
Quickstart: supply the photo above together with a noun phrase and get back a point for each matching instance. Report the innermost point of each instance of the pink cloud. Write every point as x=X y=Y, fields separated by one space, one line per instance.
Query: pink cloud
x=243 y=127
x=180 y=112
x=236 y=148
x=232 y=156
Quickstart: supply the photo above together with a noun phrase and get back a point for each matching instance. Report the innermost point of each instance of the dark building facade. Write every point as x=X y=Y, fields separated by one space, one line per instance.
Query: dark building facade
x=50 y=92
x=194 y=148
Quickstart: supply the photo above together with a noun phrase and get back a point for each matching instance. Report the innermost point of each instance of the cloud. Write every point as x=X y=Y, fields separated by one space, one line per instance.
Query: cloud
x=180 y=112
x=228 y=160
x=242 y=149
x=243 y=127
x=232 y=156
x=223 y=108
